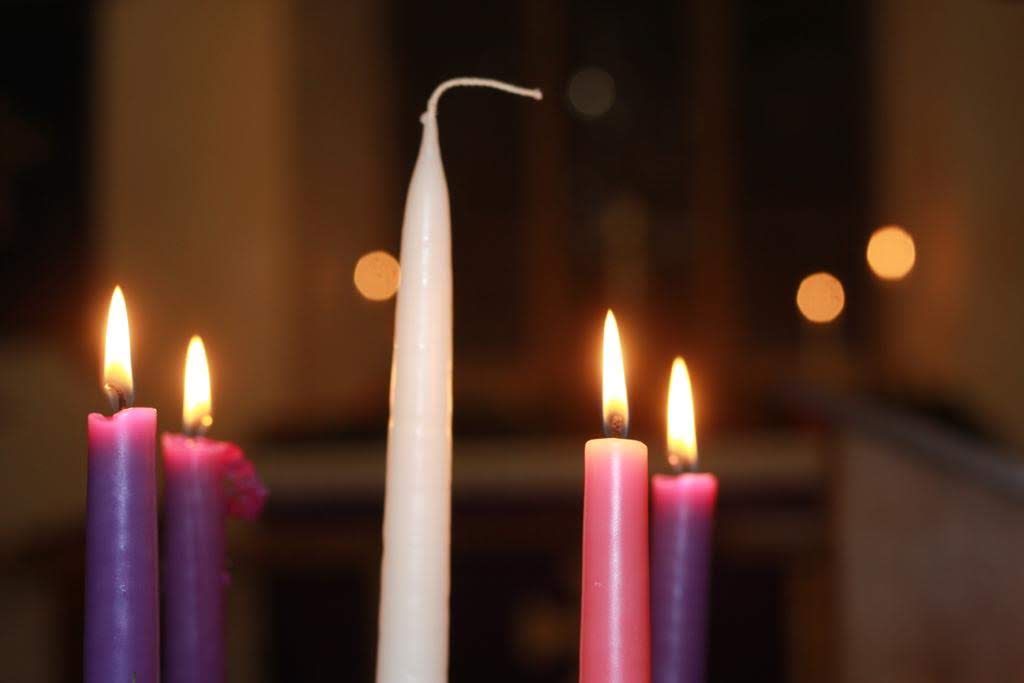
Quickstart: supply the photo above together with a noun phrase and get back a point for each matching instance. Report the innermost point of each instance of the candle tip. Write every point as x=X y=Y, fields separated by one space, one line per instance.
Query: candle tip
x=616 y=426
x=474 y=82
x=681 y=465
x=119 y=398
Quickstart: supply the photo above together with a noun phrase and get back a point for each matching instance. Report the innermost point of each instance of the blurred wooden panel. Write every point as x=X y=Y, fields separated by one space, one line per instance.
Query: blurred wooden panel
x=192 y=143
x=347 y=199
x=244 y=163
x=930 y=560
x=949 y=158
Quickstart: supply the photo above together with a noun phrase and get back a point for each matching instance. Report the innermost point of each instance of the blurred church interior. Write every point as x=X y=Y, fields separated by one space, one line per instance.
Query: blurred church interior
x=230 y=163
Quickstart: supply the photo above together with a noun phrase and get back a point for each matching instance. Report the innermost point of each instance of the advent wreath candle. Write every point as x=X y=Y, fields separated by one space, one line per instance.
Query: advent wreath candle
x=122 y=620
x=682 y=509
x=204 y=481
x=412 y=646
x=615 y=613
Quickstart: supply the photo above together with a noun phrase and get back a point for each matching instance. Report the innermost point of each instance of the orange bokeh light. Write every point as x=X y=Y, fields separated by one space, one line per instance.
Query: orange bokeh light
x=377 y=275
x=820 y=297
x=891 y=252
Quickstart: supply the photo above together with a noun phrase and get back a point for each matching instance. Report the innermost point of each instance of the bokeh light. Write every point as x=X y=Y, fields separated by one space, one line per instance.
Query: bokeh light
x=591 y=92
x=820 y=297
x=891 y=253
x=377 y=275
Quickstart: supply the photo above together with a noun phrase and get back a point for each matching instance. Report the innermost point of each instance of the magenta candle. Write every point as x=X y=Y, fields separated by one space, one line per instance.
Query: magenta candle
x=615 y=617
x=122 y=620
x=682 y=509
x=204 y=480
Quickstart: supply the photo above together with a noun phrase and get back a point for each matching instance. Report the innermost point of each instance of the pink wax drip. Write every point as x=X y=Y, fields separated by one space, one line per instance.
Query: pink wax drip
x=244 y=492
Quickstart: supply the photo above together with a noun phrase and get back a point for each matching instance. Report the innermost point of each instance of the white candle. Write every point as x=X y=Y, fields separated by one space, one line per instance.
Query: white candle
x=412 y=645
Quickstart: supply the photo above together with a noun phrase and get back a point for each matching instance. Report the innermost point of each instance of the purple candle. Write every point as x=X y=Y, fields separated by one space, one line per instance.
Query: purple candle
x=122 y=621
x=204 y=480
x=193 y=572
x=682 y=513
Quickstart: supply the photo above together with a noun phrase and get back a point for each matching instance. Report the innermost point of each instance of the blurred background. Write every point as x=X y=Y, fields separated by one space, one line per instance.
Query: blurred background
x=230 y=163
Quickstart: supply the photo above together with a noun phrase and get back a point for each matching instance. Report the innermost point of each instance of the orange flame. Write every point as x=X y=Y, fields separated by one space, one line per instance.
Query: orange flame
x=117 y=360
x=197 y=415
x=614 y=402
x=682 y=430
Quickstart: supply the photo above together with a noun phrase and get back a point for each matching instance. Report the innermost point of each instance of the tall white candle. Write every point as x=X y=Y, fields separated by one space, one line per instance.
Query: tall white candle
x=412 y=645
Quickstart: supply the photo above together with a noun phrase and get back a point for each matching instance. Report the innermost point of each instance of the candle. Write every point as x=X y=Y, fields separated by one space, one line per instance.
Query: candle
x=683 y=508
x=122 y=639
x=412 y=645
x=615 y=618
x=196 y=498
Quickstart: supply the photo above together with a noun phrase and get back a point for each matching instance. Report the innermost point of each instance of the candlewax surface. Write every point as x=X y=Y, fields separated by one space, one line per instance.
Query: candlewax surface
x=193 y=570
x=681 y=532
x=413 y=637
x=122 y=620
x=615 y=619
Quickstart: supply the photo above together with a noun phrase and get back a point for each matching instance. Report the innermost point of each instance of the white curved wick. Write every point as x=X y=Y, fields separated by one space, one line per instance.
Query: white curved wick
x=473 y=82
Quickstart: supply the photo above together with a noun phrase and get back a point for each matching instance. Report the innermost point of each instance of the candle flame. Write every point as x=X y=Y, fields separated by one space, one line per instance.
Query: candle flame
x=682 y=431
x=117 y=360
x=196 y=411
x=615 y=403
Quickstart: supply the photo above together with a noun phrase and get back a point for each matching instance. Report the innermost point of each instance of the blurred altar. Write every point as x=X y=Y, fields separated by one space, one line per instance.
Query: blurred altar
x=230 y=164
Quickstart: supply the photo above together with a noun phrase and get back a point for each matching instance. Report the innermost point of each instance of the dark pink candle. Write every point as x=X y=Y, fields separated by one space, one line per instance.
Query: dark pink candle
x=615 y=617
x=204 y=480
x=122 y=639
x=682 y=515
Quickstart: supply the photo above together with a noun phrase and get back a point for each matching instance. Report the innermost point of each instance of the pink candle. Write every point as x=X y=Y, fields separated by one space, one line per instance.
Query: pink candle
x=615 y=618
x=122 y=638
x=683 y=507
x=200 y=475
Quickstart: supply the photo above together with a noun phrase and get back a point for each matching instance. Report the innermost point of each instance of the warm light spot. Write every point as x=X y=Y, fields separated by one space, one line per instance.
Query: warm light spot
x=820 y=297
x=614 y=402
x=377 y=275
x=682 y=430
x=117 y=361
x=891 y=252
x=197 y=415
x=591 y=92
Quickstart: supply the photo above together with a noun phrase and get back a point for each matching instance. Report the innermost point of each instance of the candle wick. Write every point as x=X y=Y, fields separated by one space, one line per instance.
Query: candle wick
x=118 y=397
x=473 y=82
x=616 y=426
x=194 y=429
x=682 y=465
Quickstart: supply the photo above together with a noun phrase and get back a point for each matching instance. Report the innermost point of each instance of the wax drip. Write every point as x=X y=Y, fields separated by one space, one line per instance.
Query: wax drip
x=473 y=82
x=245 y=493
